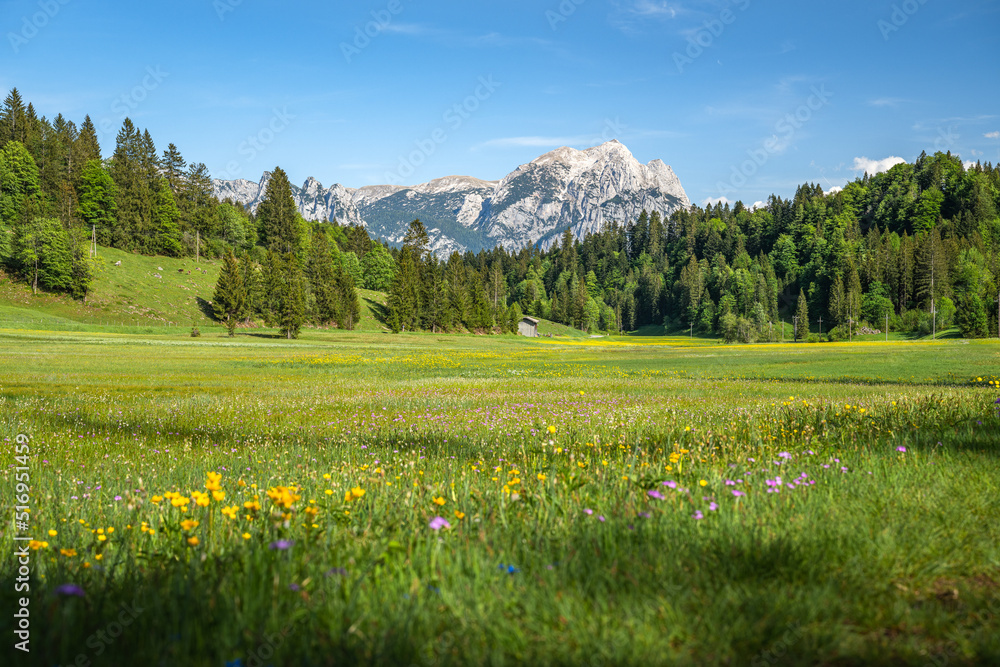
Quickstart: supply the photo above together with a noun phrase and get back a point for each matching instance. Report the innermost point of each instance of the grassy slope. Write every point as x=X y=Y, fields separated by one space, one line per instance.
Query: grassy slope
x=131 y=298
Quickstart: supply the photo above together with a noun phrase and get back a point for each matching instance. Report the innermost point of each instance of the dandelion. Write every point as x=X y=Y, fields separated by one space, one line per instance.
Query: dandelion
x=37 y=544
x=231 y=512
x=703 y=483
x=193 y=541
x=189 y=524
x=246 y=536
x=552 y=430
x=437 y=523
x=459 y=515
x=439 y=500
x=540 y=477
x=68 y=553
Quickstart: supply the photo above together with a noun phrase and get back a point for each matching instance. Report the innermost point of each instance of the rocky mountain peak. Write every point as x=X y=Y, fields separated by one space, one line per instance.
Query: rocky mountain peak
x=566 y=187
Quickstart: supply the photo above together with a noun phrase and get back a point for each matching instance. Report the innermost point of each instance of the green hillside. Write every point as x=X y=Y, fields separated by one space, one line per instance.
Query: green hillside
x=152 y=293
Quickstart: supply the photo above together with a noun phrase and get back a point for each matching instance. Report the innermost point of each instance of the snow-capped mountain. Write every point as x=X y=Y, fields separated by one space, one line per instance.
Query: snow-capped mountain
x=533 y=204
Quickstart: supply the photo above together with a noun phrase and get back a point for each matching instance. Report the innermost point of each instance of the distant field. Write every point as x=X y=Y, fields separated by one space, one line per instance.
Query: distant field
x=368 y=498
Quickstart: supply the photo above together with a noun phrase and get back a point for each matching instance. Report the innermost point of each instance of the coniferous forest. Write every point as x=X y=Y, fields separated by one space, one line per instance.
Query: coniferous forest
x=915 y=248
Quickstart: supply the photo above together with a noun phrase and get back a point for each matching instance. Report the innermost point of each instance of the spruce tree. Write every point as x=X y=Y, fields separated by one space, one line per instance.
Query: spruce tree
x=230 y=299
x=322 y=279
x=276 y=214
x=348 y=305
x=292 y=312
x=802 y=315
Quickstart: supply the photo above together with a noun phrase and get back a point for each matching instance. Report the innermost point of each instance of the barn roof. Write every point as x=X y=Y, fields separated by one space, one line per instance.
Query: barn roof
x=530 y=319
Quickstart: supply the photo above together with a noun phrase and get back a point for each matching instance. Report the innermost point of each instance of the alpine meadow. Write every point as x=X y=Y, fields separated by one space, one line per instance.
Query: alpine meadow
x=562 y=410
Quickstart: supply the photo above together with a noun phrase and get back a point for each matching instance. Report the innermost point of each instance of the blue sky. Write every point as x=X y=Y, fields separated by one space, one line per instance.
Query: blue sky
x=742 y=98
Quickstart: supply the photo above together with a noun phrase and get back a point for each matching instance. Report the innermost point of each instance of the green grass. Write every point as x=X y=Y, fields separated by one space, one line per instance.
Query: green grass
x=894 y=561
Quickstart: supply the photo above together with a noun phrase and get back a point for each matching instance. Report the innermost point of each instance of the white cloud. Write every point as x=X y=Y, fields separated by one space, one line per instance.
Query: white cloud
x=873 y=167
x=712 y=201
x=758 y=205
x=968 y=164
x=886 y=102
x=650 y=8
x=992 y=135
x=834 y=190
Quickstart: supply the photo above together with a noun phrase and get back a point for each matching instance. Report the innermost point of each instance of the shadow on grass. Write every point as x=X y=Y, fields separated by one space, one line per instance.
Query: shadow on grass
x=378 y=311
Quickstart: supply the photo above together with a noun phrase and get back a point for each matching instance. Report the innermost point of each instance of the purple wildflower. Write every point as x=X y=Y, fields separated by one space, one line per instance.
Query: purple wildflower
x=698 y=516
x=655 y=494
x=738 y=493
x=437 y=523
x=785 y=455
x=281 y=545
x=670 y=483
x=588 y=511
x=70 y=589
x=712 y=506
x=900 y=449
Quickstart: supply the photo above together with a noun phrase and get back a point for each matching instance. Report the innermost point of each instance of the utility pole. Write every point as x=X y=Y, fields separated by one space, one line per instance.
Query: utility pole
x=692 y=331
x=821 y=326
x=795 y=328
x=933 y=316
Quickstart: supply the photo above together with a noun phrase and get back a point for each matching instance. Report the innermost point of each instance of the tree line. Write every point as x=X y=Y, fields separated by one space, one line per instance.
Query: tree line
x=914 y=248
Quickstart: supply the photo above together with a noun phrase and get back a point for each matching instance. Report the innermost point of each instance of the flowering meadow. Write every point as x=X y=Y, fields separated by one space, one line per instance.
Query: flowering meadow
x=447 y=500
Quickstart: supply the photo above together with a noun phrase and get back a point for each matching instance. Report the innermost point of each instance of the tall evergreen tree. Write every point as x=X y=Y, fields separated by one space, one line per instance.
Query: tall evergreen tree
x=276 y=213
x=323 y=280
x=292 y=311
x=802 y=317
x=230 y=299
x=13 y=119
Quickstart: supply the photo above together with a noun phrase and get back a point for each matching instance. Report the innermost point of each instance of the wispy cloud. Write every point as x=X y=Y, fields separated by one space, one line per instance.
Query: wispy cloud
x=886 y=102
x=872 y=167
x=992 y=135
x=632 y=16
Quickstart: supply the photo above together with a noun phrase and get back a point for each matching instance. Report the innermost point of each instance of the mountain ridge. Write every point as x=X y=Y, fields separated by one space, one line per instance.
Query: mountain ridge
x=566 y=187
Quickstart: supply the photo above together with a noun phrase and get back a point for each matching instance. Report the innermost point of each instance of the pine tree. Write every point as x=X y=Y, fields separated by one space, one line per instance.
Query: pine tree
x=173 y=167
x=276 y=213
x=347 y=297
x=404 y=297
x=13 y=119
x=323 y=280
x=802 y=317
x=292 y=312
x=230 y=299
x=417 y=241
x=273 y=281
x=87 y=146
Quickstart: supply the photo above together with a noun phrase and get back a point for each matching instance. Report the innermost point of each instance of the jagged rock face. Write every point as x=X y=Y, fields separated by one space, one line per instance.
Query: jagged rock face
x=534 y=204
